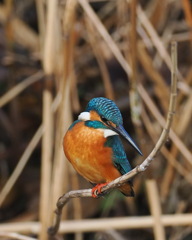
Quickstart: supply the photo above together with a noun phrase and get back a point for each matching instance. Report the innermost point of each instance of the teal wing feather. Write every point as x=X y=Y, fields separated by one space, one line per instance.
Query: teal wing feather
x=119 y=156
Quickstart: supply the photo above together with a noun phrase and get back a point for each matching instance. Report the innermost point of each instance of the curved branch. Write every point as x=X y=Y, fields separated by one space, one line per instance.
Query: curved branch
x=140 y=168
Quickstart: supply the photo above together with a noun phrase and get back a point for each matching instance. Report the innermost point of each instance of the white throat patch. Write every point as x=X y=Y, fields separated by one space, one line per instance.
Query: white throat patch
x=108 y=132
x=84 y=116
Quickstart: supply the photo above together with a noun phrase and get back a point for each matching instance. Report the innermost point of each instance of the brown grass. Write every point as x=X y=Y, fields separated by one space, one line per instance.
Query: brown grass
x=117 y=49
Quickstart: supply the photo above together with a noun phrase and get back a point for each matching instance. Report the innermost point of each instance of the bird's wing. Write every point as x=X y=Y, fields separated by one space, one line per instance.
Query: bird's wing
x=119 y=157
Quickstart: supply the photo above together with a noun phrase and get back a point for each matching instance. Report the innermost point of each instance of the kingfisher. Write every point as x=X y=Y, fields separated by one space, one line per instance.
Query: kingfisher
x=93 y=146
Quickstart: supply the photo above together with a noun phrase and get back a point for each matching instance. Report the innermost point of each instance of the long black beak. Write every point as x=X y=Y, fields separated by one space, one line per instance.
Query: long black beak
x=120 y=130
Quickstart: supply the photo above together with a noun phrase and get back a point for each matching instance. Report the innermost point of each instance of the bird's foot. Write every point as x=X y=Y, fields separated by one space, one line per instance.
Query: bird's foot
x=96 y=191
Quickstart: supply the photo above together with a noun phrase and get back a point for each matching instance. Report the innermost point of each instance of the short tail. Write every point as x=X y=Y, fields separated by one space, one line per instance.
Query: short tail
x=127 y=189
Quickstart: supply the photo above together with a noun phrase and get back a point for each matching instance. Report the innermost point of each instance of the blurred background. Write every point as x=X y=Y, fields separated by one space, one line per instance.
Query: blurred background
x=57 y=55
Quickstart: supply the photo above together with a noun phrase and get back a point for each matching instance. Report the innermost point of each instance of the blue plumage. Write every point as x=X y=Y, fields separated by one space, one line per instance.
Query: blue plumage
x=106 y=108
x=119 y=157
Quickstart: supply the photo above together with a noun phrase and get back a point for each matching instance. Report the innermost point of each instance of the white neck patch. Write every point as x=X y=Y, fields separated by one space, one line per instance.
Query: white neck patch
x=84 y=116
x=108 y=132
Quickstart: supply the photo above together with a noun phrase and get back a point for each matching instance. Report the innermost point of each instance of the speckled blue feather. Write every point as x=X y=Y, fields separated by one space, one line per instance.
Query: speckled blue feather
x=119 y=157
x=106 y=108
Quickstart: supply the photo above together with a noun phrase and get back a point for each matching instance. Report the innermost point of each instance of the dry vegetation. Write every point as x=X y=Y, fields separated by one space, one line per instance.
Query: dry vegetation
x=56 y=56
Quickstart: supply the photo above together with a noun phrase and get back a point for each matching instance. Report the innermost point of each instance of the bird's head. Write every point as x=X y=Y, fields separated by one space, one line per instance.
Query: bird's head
x=106 y=111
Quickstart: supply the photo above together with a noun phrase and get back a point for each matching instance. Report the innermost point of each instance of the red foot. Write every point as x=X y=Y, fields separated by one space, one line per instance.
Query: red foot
x=96 y=191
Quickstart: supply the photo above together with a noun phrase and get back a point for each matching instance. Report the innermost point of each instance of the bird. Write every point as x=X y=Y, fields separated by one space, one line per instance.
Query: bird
x=93 y=146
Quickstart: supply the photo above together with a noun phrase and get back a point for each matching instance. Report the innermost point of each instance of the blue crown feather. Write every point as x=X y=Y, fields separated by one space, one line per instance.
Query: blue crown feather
x=106 y=108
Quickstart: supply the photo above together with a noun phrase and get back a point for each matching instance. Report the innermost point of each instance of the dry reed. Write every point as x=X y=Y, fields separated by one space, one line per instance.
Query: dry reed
x=71 y=35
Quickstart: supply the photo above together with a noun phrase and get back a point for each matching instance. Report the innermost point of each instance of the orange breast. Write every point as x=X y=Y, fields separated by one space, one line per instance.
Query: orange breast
x=84 y=148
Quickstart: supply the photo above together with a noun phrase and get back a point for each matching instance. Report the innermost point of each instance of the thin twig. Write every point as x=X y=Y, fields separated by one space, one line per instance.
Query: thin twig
x=21 y=164
x=156 y=113
x=142 y=167
x=16 y=90
x=166 y=153
x=159 y=82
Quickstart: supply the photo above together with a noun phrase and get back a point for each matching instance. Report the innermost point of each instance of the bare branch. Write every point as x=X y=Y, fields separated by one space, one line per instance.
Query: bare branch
x=142 y=167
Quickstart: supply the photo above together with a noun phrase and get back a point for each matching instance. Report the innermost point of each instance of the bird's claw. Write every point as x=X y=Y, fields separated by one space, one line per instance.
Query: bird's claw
x=96 y=191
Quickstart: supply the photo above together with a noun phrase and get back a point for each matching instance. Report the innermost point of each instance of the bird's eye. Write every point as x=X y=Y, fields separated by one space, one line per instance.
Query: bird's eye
x=108 y=123
x=104 y=119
